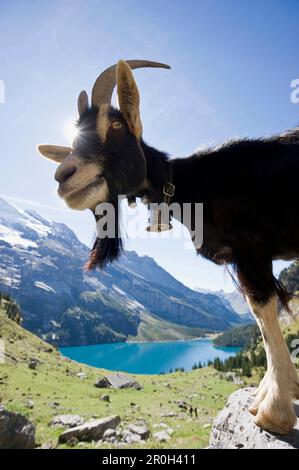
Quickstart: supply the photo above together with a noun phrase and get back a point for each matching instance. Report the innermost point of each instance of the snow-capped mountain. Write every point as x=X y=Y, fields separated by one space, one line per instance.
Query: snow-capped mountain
x=41 y=266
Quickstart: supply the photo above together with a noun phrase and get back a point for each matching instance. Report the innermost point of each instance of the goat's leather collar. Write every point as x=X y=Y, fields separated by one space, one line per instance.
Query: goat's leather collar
x=167 y=191
x=169 y=187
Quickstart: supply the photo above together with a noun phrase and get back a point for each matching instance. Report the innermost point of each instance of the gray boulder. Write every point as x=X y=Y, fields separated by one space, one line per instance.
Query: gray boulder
x=69 y=421
x=129 y=437
x=102 y=382
x=141 y=431
x=16 y=431
x=92 y=430
x=234 y=428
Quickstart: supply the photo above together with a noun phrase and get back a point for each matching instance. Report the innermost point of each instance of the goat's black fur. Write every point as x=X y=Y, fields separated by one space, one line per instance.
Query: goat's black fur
x=248 y=188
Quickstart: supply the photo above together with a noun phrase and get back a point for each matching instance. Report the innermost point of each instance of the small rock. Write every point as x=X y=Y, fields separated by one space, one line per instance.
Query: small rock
x=126 y=436
x=30 y=404
x=136 y=438
x=69 y=421
x=102 y=382
x=81 y=375
x=72 y=442
x=129 y=437
x=168 y=414
x=105 y=398
x=32 y=364
x=141 y=431
x=162 y=436
x=109 y=433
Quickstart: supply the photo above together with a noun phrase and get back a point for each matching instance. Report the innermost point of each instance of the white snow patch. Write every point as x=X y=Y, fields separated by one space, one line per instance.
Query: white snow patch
x=118 y=290
x=41 y=229
x=13 y=237
x=93 y=282
x=32 y=223
x=42 y=285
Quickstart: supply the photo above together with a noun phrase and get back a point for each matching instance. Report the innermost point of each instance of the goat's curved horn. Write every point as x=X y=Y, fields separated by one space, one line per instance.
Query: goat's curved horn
x=105 y=83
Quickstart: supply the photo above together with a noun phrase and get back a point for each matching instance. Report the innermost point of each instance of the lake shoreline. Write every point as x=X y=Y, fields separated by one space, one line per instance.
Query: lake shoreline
x=210 y=336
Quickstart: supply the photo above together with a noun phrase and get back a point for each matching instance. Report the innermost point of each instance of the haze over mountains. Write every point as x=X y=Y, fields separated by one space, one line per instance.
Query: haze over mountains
x=234 y=300
x=42 y=267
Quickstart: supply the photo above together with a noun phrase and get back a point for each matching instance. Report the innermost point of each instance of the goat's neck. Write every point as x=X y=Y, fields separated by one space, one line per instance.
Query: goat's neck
x=158 y=173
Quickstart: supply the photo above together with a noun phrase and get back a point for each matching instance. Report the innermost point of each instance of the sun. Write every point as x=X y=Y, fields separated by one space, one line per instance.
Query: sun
x=70 y=130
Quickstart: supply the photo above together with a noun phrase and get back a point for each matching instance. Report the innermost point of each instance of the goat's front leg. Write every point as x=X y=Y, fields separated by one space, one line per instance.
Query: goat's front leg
x=273 y=406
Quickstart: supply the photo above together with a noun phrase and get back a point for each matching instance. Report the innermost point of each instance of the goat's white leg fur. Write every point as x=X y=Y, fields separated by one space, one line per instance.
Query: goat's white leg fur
x=273 y=406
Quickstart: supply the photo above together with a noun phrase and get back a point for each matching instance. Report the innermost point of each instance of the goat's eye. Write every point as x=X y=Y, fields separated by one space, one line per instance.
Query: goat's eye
x=116 y=124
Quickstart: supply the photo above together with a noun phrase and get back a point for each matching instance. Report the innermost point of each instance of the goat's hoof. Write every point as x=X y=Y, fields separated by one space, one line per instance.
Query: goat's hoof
x=274 y=411
x=273 y=406
x=268 y=423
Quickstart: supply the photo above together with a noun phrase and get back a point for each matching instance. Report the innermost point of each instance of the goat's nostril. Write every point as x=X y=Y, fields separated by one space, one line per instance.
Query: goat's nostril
x=63 y=174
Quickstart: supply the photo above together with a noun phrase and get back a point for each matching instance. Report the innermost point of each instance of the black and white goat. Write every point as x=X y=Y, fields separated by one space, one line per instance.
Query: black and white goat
x=249 y=192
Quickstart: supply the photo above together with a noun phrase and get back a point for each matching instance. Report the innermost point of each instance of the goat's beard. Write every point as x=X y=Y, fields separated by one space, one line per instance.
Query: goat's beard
x=106 y=249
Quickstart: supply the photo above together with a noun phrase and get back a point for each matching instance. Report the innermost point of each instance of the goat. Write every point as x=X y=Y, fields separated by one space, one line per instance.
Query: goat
x=248 y=188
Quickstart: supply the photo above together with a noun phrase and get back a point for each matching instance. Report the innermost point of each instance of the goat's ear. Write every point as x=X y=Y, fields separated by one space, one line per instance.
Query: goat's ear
x=57 y=153
x=128 y=97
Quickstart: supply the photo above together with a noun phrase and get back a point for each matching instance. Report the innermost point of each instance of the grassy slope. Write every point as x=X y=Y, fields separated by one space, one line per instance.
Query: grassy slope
x=55 y=380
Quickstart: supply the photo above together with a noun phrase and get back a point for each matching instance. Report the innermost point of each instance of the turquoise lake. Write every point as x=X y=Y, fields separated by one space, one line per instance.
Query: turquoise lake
x=148 y=358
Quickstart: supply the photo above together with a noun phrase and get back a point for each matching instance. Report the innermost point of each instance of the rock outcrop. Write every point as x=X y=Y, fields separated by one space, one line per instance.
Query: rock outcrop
x=234 y=428
x=92 y=430
x=16 y=431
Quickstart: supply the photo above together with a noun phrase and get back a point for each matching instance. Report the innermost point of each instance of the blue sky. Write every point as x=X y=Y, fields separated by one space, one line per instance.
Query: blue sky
x=232 y=65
